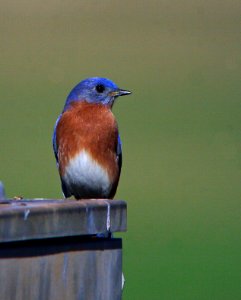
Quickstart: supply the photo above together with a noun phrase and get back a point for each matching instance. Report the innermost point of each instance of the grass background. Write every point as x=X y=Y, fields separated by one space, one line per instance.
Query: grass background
x=180 y=128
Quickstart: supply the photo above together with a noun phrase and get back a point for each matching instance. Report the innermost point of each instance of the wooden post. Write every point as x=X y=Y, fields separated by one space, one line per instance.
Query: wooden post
x=51 y=249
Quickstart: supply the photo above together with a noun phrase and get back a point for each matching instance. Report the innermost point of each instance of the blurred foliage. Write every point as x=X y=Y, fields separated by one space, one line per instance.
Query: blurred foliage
x=180 y=128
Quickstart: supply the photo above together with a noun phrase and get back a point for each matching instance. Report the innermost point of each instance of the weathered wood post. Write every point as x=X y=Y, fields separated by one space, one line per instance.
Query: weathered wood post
x=49 y=249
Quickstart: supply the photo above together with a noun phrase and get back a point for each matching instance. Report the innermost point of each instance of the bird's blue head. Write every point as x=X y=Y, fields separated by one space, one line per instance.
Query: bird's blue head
x=95 y=90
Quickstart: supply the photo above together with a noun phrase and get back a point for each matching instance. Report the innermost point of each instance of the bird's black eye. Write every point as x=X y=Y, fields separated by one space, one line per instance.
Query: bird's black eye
x=100 y=88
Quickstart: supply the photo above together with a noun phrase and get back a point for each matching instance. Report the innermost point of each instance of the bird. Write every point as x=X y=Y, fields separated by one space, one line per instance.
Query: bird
x=86 y=140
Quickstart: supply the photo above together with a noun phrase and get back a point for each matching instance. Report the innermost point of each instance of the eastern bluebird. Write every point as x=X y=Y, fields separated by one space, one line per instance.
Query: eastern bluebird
x=86 y=141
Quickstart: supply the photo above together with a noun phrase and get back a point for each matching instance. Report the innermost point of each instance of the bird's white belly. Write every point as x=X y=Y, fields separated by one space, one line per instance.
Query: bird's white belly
x=84 y=176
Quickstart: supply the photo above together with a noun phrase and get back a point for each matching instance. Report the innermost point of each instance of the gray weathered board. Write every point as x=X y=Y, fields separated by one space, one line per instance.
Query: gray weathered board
x=49 y=249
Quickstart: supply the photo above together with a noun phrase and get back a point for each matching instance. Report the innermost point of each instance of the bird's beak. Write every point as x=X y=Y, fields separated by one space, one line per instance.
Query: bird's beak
x=120 y=92
x=123 y=92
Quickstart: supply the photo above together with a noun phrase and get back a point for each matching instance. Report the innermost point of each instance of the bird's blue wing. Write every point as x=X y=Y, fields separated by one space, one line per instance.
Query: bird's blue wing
x=54 y=141
x=119 y=153
x=55 y=147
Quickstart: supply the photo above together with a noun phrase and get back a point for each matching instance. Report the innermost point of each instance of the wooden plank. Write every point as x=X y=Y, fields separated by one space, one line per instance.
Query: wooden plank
x=45 y=218
x=76 y=268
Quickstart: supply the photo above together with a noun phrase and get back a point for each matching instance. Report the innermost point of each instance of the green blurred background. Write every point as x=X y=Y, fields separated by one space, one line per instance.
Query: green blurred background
x=180 y=128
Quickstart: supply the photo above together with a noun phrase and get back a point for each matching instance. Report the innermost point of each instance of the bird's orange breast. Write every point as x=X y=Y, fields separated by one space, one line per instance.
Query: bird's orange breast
x=89 y=127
